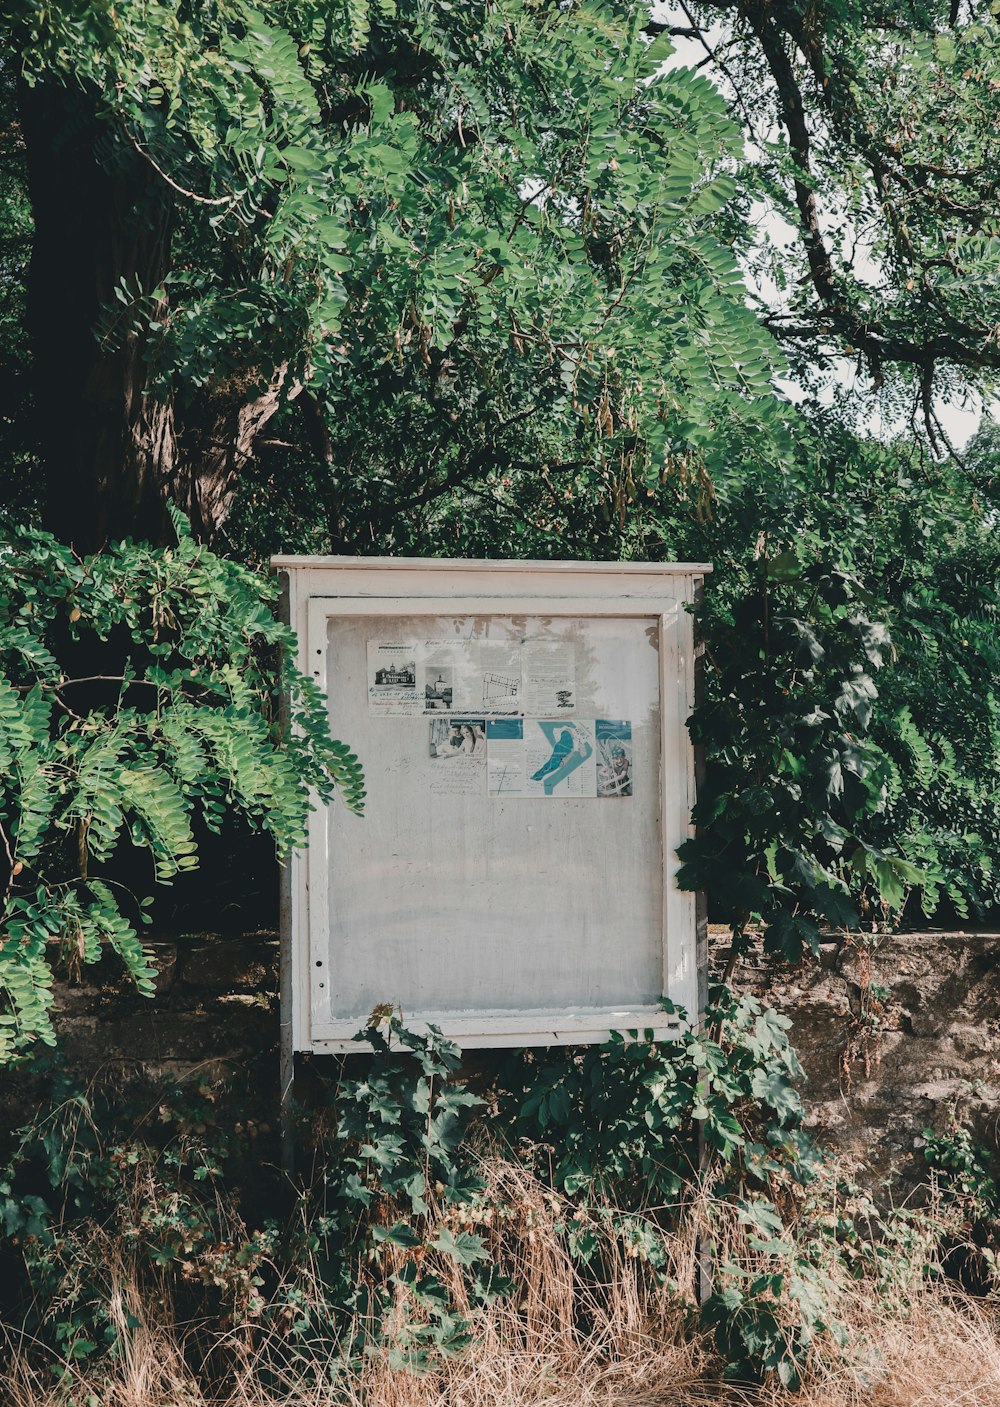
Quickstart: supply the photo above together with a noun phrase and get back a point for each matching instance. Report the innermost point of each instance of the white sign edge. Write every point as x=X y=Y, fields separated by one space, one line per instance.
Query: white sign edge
x=683 y=979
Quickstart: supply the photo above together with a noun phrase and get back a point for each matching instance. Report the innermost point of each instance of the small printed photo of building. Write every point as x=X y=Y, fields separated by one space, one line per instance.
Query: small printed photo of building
x=438 y=691
x=397 y=676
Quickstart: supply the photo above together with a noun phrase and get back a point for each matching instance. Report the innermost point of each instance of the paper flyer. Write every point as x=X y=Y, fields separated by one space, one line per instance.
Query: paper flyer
x=494 y=678
x=439 y=688
x=530 y=757
x=559 y=757
x=505 y=774
x=499 y=674
x=449 y=675
x=614 y=756
x=392 y=679
x=458 y=756
x=548 y=678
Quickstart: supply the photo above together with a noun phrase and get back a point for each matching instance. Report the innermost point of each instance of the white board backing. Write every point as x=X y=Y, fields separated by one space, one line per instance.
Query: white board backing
x=505 y=920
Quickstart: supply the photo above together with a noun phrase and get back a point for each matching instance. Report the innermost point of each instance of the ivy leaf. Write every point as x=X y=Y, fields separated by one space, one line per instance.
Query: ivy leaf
x=464 y=1249
x=401 y=1234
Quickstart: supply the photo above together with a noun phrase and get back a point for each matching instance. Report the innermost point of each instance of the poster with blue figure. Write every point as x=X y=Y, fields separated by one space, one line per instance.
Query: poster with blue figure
x=614 y=756
x=559 y=757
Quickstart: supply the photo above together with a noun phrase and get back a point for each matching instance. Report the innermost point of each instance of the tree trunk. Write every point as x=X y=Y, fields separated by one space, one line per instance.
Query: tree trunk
x=115 y=453
x=216 y=440
x=106 y=445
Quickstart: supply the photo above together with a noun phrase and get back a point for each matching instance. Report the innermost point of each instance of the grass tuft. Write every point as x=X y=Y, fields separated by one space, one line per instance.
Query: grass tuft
x=618 y=1335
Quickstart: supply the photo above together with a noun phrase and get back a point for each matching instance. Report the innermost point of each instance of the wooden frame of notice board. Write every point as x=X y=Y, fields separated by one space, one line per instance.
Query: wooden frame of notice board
x=529 y=776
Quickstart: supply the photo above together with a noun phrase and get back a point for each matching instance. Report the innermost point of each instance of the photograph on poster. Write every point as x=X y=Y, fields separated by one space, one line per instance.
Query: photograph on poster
x=614 y=756
x=439 y=692
x=392 y=679
x=458 y=757
x=447 y=674
x=457 y=737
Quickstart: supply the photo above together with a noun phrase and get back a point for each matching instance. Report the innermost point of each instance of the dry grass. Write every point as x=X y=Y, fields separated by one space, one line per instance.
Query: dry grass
x=915 y=1344
x=945 y=1352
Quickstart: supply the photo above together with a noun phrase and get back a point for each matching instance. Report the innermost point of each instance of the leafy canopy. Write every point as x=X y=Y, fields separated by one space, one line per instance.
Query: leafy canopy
x=496 y=250
x=459 y=195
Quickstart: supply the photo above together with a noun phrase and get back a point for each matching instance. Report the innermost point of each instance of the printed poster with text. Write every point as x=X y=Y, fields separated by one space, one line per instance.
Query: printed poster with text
x=392 y=679
x=531 y=757
x=495 y=678
x=458 y=756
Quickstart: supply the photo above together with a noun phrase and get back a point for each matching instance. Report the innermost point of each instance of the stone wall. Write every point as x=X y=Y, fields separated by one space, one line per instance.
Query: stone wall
x=892 y=1040
x=216 y=1009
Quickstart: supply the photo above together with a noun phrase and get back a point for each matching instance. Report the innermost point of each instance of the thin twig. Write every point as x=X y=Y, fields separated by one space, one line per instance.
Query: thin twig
x=10 y=862
x=110 y=679
x=713 y=54
x=181 y=190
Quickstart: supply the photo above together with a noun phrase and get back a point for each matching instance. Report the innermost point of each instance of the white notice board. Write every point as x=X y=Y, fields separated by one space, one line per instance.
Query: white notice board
x=529 y=778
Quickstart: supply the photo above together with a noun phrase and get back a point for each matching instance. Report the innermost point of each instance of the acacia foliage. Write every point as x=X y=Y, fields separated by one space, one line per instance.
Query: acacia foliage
x=929 y=541
x=851 y=671
x=508 y=216
x=892 y=741
x=176 y=729
x=513 y=208
x=495 y=250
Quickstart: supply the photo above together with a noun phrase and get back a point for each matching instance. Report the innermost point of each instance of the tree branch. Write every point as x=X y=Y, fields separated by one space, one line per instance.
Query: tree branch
x=654 y=28
x=715 y=57
x=181 y=190
x=957 y=342
x=316 y=429
x=793 y=117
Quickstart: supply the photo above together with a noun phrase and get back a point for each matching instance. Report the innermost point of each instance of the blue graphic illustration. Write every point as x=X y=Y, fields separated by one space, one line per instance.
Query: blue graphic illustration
x=509 y=728
x=570 y=749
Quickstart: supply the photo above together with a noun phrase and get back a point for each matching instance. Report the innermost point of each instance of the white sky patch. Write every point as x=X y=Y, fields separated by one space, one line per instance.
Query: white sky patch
x=960 y=422
x=959 y=417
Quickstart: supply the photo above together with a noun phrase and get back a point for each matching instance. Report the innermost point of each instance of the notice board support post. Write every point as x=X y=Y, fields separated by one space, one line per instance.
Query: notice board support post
x=286 y=1044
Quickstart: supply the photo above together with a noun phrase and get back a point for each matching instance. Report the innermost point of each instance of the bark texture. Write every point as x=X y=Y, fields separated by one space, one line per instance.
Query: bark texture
x=115 y=453
x=215 y=442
